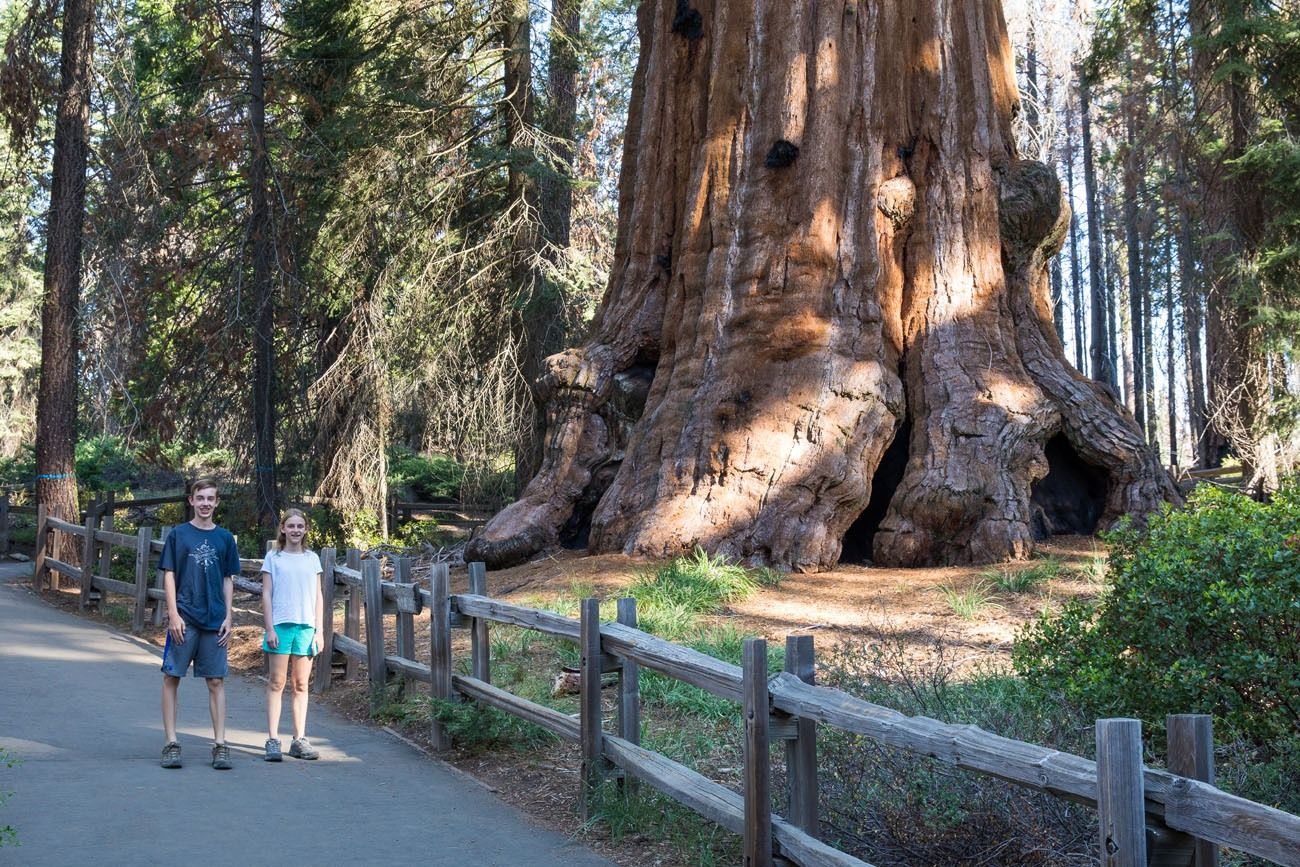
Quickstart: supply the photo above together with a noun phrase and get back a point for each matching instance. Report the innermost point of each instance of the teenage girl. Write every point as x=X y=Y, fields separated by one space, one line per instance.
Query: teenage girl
x=292 y=608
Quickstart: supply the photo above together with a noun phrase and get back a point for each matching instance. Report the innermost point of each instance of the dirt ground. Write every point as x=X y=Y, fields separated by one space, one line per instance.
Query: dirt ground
x=833 y=606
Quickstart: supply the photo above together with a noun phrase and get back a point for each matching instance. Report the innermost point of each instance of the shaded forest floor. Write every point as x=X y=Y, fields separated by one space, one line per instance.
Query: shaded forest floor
x=916 y=608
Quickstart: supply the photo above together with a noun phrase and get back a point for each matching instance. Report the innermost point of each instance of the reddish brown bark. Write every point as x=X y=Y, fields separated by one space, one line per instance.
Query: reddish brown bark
x=774 y=317
x=56 y=407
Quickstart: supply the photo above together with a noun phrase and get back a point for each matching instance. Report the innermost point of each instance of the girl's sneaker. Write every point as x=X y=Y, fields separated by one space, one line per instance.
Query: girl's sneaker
x=273 y=750
x=171 y=755
x=301 y=749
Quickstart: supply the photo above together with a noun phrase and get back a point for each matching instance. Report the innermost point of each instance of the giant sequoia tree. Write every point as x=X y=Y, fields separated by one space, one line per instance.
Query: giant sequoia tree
x=828 y=323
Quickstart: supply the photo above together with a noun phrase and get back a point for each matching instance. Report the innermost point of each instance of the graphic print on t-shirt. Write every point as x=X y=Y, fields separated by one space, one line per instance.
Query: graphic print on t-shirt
x=204 y=555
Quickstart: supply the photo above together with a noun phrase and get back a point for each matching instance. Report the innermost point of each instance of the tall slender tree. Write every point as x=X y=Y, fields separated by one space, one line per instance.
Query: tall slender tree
x=263 y=249
x=56 y=408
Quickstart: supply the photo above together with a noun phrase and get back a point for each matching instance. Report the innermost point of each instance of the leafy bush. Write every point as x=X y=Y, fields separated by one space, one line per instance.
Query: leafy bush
x=436 y=477
x=106 y=464
x=1203 y=616
x=21 y=468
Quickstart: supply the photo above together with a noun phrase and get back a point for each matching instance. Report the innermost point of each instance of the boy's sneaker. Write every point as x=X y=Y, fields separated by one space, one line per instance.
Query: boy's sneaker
x=301 y=749
x=171 y=755
x=273 y=750
x=221 y=757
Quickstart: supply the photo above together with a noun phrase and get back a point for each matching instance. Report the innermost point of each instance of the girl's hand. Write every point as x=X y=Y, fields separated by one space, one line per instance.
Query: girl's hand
x=316 y=645
x=272 y=639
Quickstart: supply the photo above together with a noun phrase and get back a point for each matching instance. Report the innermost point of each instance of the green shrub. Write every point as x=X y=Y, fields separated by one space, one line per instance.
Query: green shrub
x=21 y=468
x=1202 y=616
x=435 y=477
x=106 y=464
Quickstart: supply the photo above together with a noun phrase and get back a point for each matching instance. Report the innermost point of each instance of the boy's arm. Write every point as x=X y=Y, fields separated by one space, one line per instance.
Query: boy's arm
x=175 y=623
x=228 y=591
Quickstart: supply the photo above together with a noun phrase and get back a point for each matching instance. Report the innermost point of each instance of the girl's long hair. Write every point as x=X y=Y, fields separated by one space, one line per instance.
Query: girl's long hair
x=291 y=513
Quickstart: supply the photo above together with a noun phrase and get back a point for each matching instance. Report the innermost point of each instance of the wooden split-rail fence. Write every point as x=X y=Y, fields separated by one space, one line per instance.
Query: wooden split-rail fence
x=1145 y=815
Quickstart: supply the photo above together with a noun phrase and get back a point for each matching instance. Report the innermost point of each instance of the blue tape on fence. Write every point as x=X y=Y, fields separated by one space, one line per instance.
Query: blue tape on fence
x=53 y=476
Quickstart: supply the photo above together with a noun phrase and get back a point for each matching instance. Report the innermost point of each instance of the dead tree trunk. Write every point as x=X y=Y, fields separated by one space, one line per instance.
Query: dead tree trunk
x=829 y=312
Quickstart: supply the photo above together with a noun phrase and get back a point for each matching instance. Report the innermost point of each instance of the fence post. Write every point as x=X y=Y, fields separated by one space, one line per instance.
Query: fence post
x=88 y=557
x=758 y=771
x=107 y=522
x=39 y=575
x=591 y=733
x=323 y=664
x=1191 y=755
x=629 y=693
x=405 y=619
x=801 y=753
x=374 y=596
x=1121 y=812
x=4 y=523
x=143 y=540
x=480 y=642
x=440 y=647
x=160 y=604
x=352 y=613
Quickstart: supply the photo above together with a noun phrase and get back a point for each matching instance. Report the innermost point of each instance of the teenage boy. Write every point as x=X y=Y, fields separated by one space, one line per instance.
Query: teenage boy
x=199 y=562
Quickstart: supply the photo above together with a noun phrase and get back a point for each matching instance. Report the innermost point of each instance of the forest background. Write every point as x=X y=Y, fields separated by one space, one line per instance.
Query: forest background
x=328 y=243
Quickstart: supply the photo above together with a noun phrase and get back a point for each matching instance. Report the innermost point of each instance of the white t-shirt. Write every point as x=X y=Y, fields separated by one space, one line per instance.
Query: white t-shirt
x=294 y=582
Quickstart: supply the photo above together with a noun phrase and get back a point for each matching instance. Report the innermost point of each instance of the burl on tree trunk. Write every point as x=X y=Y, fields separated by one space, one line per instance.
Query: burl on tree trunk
x=828 y=322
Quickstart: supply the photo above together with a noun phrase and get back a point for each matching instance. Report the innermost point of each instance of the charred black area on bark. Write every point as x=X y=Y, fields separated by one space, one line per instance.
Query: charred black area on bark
x=1072 y=496
x=861 y=534
x=626 y=405
x=577 y=530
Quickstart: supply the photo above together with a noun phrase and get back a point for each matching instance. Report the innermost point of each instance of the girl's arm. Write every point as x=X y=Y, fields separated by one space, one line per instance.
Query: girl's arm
x=268 y=621
x=320 y=615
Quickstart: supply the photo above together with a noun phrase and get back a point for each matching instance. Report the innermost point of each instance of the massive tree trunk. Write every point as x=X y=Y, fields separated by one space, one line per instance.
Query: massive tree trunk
x=828 y=319
x=56 y=402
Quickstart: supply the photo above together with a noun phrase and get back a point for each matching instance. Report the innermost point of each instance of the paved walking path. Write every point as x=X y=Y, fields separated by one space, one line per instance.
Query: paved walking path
x=79 y=706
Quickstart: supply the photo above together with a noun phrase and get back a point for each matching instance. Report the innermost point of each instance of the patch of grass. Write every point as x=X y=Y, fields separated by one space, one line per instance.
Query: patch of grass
x=1024 y=579
x=969 y=602
x=477 y=728
x=672 y=598
x=646 y=812
x=699 y=583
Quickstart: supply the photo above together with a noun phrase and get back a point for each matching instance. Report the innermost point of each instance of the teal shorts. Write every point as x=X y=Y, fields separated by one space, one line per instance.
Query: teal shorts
x=295 y=639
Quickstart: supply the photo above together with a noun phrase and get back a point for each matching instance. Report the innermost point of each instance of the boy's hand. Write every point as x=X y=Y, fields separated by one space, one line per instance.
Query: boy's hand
x=176 y=628
x=223 y=634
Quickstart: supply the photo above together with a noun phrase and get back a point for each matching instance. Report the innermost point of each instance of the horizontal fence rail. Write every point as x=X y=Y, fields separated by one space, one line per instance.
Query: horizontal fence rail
x=1181 y=816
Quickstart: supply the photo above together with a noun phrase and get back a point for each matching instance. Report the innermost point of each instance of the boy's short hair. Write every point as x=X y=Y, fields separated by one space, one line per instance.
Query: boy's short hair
x=201 y=483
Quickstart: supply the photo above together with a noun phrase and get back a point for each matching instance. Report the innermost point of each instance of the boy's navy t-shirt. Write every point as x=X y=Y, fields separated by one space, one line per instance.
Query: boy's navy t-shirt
x=201 y=560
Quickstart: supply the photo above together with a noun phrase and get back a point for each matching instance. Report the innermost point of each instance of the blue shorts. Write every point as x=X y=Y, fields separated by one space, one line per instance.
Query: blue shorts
x=295 y=639
x=200 y=647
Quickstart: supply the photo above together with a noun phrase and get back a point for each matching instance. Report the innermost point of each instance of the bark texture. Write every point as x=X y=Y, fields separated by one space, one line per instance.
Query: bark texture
x=261 y=232
x=826 y=244
x=56 y=407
